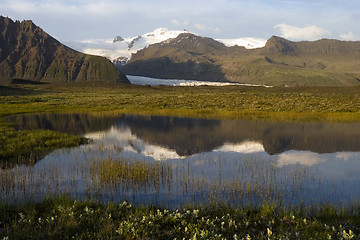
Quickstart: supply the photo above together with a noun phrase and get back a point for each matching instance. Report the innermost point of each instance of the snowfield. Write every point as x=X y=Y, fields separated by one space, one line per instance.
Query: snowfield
x=249 y=43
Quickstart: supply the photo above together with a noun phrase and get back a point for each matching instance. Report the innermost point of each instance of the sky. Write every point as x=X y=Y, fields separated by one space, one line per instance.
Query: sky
x=73 y=20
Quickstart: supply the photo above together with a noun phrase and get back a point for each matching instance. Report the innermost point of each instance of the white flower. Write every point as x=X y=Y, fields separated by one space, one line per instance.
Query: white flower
x=269 y=232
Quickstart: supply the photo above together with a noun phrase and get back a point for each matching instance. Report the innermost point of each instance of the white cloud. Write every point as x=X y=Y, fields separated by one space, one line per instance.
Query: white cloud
x=175 y=22
x=346 y=156
x=61 y=8
x=303 y=158
x=350 y=36
x=205 y=28
x=179 y=23
x=244 y=147
x=201 y=27
x=309 y=32
x=123 y=138
x=84 y=19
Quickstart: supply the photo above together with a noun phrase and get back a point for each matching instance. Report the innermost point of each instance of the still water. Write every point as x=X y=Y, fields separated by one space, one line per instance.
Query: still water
x=171 y=161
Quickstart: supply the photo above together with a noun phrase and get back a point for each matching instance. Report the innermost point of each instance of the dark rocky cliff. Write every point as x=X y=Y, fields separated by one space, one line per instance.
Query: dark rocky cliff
x=27 y=52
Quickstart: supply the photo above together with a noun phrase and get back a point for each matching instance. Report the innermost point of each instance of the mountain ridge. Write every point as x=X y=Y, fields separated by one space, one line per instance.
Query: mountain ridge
x=114 y=49
x=28 y=52
x=281 y=62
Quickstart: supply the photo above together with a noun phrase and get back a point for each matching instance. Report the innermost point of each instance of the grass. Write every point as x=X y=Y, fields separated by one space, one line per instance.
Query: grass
x=63 y=218
x=19 y=147
x=129 y=173
x=315 y=103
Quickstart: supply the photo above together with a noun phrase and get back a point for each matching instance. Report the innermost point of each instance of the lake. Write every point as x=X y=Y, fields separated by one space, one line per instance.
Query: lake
x=172 y=161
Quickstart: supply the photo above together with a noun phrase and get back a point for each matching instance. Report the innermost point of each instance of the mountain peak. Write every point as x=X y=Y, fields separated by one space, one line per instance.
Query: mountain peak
x=28 y=52
x=162 y=34
x=161 y=31
x=195 y=43
x=118 y=39
x=277 y=45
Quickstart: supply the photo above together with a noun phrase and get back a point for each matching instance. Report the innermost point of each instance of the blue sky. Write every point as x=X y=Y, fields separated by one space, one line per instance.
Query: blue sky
x=97 y=19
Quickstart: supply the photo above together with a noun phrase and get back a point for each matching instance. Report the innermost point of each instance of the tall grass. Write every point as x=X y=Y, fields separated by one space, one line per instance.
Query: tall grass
x=104 y=174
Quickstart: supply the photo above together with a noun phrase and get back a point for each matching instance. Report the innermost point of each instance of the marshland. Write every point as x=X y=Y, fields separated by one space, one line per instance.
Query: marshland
x=241 y=162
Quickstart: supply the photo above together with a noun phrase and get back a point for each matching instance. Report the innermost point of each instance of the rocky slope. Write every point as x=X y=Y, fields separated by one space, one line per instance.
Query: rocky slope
x=280 y=62
x=27 y=52
x=185 y=57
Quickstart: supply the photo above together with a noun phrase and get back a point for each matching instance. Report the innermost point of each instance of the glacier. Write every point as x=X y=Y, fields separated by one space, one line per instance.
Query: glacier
x=140 y=80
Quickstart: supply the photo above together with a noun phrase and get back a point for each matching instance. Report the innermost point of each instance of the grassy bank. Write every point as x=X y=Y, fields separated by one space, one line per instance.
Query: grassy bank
x=292 y=104
x=63 y=218
x=27 y=147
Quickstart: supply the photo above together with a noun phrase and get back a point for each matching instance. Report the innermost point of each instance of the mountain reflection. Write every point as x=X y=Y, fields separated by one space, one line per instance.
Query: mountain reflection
x=188 y=136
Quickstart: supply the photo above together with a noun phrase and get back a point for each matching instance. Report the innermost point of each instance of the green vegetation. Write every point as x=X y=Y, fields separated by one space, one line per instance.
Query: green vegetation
x=130 y=173
x=19 y=147
x=283 y=104
x=63 y=218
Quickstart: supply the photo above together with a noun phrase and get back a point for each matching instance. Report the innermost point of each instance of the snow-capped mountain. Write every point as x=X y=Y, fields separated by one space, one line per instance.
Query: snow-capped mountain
x=119 y=49
x=122 y=48
x=249 y=43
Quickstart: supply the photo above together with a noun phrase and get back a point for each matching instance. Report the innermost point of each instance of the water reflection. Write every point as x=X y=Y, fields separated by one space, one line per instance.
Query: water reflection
x=189 y=136
x=172 y=161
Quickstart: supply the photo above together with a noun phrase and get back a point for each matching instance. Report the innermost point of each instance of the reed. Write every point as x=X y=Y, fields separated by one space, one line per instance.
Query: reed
x=115 y=172
x=99 y=173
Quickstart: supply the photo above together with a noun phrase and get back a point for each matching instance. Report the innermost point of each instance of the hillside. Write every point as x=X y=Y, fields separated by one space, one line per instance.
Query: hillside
x=29 y=53
x=185 y=57
x=280 y=62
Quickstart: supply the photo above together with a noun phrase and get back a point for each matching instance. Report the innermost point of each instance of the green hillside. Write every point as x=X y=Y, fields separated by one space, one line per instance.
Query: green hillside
x=27 y=52
x=280 y=62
